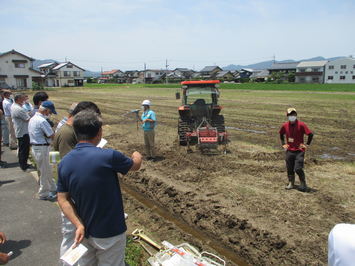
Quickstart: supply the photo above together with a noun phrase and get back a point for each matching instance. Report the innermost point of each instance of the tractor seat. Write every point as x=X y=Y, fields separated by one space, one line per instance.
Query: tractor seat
x=200 y=102
x=200 y=109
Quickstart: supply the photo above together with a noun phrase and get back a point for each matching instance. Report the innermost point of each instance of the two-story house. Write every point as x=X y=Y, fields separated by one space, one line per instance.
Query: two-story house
x=131 y=76
x=260 y=75
x=184 y=73
x=151 y=76
x=310 y=72
x=68 y=74
x=340 y=71
x=209 y=72
x=225 y=75
x=114 y=75
x=49 y=74
x=16 y=71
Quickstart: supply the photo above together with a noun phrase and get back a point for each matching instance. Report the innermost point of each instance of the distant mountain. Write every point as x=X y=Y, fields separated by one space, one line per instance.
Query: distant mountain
x=261 y=65
x=267 y=64
x=87 y=73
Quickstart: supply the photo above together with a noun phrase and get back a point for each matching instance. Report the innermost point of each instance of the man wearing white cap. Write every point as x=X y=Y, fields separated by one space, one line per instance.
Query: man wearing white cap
x=295 y=147
x=149 y=120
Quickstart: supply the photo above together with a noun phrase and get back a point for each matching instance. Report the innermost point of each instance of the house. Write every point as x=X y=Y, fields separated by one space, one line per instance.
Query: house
x=283 y=67
x=185 y=73
x=210 y=72
x=151 y=76
x=68 y=74
x=16 y=71
x=261 y=75
x=235 y=73
x=225 y=75
x=244 y=74
x=115 y=73
x=310 y=72
x=340 y=71
x=49 y=75
x=131 y=76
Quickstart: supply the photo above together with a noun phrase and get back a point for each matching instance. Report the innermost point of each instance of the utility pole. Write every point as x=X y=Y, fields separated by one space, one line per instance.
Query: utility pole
x=145 y=67
x=274 y=59
x=166 y=73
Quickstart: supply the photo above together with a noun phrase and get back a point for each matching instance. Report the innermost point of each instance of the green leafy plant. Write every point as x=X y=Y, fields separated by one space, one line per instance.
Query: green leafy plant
x=134 y=253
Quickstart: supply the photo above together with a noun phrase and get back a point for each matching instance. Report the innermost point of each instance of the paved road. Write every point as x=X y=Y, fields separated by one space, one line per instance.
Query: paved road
x=32 y=226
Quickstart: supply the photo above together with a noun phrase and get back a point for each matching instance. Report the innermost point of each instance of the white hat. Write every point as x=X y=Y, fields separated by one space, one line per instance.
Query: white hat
x=146 y=102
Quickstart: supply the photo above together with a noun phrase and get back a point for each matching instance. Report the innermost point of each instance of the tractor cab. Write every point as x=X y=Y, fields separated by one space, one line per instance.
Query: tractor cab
x=199 y=99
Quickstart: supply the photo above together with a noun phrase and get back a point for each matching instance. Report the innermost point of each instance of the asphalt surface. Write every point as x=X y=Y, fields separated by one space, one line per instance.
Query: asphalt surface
x=32 y=226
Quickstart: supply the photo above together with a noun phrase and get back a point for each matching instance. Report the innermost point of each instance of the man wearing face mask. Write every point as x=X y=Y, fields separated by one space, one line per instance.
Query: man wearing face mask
x=295 y=147
x=41 y=134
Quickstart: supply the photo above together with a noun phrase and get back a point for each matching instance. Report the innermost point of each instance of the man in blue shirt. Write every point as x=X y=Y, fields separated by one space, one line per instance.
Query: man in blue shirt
x=149 y=121
x=89 y=193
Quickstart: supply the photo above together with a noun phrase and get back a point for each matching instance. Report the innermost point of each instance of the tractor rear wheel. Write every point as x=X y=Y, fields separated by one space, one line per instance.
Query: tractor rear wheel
x=183 y=128
x=218 y=122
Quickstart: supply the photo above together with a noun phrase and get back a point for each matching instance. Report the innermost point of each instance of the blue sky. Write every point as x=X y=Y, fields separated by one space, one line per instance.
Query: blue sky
x=125 y=34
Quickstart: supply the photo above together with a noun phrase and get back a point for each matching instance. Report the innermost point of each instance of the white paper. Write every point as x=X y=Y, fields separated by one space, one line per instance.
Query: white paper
x=54 y=157
x=71 y=256
x=102 y=143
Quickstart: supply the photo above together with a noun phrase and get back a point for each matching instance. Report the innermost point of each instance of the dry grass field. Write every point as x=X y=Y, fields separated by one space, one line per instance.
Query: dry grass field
x=238 y=199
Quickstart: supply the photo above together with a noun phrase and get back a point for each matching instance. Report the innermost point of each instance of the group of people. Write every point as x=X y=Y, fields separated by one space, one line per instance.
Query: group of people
x=87 y=189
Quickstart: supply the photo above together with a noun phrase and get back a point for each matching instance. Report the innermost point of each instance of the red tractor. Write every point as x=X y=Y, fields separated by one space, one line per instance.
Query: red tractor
x=200 y=121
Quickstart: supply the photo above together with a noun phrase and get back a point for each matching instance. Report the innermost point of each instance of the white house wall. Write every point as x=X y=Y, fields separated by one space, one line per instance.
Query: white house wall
x=62 y=80
x=336 y=72
x=7 y=67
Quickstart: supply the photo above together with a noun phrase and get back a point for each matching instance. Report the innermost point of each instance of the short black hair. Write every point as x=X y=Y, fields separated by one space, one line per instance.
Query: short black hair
x=87 y=125
x=85 y=105
x=40 y=96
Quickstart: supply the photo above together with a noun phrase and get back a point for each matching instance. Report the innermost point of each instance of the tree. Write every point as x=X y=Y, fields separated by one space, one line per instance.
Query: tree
x=291 y=77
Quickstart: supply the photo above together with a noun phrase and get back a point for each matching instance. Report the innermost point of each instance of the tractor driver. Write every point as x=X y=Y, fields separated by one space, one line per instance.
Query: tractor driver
x=148 y=124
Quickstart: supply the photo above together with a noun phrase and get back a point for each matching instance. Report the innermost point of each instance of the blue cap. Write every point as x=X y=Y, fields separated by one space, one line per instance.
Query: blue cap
x=49 y=105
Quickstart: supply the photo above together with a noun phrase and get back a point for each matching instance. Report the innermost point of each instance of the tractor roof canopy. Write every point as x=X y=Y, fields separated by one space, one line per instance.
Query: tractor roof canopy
x=200 y=82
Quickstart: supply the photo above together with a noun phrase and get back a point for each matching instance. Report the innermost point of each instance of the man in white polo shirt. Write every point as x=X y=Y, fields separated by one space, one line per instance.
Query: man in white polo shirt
x=41 y=135
x=6 y=104
x=20 y=119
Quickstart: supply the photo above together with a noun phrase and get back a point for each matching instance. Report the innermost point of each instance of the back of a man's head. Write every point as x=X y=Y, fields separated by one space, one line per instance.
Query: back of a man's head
x=85 y=105
x=87 y=125
x=39 y=97
x=19 y=96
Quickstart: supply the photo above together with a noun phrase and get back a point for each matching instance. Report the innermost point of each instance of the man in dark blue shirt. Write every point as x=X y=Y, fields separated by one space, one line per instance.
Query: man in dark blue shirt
x=89 y=193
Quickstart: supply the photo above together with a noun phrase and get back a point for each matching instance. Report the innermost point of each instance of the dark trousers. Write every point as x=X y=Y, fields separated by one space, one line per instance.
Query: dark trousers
x=23 y=150
x=294 y=163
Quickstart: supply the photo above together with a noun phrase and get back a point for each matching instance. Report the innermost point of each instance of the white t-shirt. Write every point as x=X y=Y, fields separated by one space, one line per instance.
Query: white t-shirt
x=341 y=245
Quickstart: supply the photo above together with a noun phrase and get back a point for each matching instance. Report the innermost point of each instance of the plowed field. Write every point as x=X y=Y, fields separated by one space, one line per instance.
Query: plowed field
x=238 y=199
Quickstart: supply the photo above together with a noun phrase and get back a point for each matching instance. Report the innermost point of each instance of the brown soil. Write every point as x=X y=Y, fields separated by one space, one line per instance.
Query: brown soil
x=238 y=199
